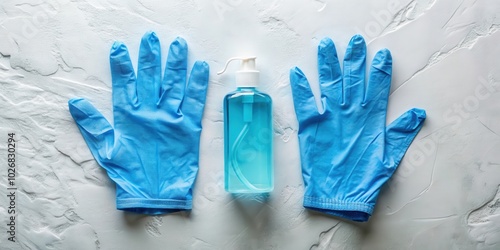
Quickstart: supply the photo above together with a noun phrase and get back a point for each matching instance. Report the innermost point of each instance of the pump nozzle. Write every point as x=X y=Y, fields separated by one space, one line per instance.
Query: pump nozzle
x=247 y=63
x=248 y=75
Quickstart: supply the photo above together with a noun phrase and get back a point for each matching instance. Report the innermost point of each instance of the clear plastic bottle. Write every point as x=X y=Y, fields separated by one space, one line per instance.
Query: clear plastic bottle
x=248 y=135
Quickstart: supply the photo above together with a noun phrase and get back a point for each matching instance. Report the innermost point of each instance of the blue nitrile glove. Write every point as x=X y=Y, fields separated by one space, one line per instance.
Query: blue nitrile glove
x=347 y=152
x=151 y=152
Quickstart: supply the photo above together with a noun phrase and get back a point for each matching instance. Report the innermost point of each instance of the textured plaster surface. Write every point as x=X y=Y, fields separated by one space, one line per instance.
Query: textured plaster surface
x=445 y=194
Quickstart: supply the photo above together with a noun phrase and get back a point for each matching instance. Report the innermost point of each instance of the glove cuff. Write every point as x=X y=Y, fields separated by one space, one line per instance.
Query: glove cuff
x=153 y=206
x=356 y=211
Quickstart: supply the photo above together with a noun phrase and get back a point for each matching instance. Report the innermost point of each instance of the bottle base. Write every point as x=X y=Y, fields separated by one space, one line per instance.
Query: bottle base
x=246 y=191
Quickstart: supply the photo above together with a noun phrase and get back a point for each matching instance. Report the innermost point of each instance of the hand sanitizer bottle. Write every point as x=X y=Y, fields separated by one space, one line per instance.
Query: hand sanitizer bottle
x=248 y=134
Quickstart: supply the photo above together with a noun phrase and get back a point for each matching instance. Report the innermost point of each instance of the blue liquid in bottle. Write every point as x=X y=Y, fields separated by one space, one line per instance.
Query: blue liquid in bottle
x=248 y=142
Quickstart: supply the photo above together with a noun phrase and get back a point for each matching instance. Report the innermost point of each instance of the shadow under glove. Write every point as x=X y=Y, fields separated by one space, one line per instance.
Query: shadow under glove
x=347 y=151
x=151 y=152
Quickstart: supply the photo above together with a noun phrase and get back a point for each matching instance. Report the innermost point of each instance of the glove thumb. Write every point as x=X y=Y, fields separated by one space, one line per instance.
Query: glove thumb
x=399 y=135
x=95 y=129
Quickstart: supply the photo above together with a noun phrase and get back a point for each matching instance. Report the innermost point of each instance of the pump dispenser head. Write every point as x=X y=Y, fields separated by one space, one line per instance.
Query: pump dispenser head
x=248 y=75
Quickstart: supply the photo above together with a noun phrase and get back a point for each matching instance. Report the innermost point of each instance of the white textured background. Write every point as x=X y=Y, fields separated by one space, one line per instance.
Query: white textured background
x=446 y=60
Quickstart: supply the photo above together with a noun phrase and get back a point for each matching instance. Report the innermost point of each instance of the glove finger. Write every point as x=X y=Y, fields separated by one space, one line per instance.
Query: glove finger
x=303 y=98
x=354 y=71
x=399 y=135
x=196 y=92
x=379 y=83
x=174 y=79
x=149 y=69
x=95 y=129
x=330 y=75
x=123 y=76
